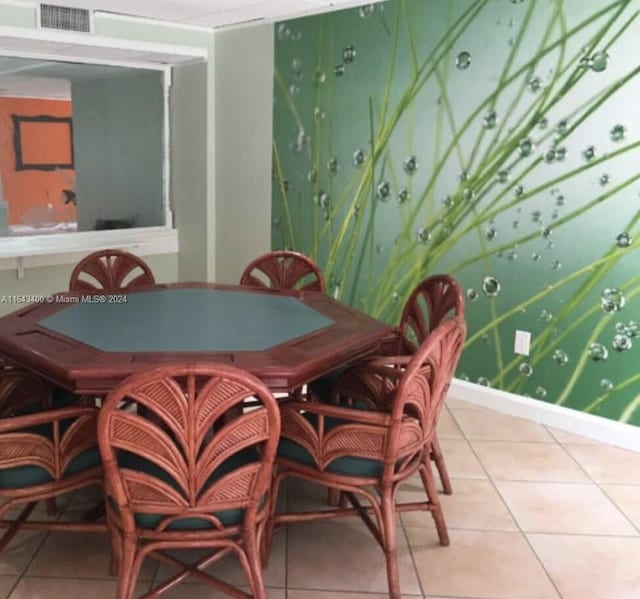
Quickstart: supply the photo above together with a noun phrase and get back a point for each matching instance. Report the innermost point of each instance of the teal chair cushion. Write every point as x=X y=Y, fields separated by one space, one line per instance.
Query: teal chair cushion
x=227 y=517
x=346 y=466
x=27 y=476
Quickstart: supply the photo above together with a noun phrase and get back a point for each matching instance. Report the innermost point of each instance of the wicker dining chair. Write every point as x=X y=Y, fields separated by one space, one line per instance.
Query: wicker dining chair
x=283 y=270
x=187 y=464
x=44 y=453
x=110 y=270
x=432 y=301
x=369 y=453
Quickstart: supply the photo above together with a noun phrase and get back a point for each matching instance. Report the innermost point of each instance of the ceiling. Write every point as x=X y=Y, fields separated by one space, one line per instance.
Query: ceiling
x=212 y=13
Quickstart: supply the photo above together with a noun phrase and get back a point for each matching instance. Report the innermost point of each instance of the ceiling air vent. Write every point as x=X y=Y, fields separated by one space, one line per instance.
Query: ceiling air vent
x=65 y=18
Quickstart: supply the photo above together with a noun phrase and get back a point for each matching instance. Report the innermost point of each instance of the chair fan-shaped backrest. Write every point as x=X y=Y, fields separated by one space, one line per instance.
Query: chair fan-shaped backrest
x=283 y=270
x=110 y=270
x=422 y=389
x=433 y=300
x=188 y=445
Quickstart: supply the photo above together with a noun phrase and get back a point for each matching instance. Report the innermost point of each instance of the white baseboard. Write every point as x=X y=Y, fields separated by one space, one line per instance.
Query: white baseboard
x=561 y=417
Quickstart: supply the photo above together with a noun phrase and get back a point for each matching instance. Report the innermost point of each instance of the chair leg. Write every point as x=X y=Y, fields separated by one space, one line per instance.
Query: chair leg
x=269 y=526
x=436 y=507
x=438 y=458
x=125 y=571
x=390 y=543
x=254 y=565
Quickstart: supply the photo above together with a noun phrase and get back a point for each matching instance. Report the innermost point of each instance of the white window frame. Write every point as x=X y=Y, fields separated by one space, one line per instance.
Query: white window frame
x=20 y=252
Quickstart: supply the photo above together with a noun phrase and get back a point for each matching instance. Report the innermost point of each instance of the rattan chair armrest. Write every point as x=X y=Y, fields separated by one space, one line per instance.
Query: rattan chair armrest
x=17 y=423
x=340 y=412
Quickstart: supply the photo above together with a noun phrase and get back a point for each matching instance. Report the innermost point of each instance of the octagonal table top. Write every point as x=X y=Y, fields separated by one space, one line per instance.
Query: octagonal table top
x=88 y=344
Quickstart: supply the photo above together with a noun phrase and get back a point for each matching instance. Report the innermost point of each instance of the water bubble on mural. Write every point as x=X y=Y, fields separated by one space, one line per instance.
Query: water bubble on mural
x=323 y=200
x=379 y=248
x=541 y=392
x=612 y=300
x=525 y=369
x=463 y=60
x=543 y=123
x=312 y=175
x=589 y=153
x=349 y=54
x=410 y=165
x=383 y=191
x=359 y=156
x=503 y=176
x=598 y=352
x=598 y=61
x=515 y=224
x=604 y=179
x=562 y=127
x=318 y=77
x=464 y=377
x=367 y=10
x=276 y=223
x=546 y=232
x=518 y=190
x=339 y=70
x=333 y=166
x=448 y=202
x=468 y=193
x=294 y=89
x=403 y=195
x=606 y=384
x=623 y=240
x=535 y=83
x=556 y=264
x=395 y=297
x=536 y=256
x=318 y=114
x=536 y=216
x=490 y=233
x=546 y=315
x=560 y=153
x=472 y=294
x=484 y=381
x=621 y=342
x=633 y=328
x=491 y=286
x=549 y=156
x=560 y=357
x=560 y=201
x=512 y=253
x=284 y=33
x=490 y=119
x=526 y=146
x=555 y=214
x=617 y=133
x=463 y=176
x=302 y=140
x=423 y=235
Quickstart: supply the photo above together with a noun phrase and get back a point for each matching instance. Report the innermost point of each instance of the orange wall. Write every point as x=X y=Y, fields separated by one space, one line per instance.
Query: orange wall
x=32 y=193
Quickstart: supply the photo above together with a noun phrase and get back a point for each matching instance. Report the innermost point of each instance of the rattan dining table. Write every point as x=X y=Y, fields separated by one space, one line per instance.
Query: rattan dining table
x=89 y=343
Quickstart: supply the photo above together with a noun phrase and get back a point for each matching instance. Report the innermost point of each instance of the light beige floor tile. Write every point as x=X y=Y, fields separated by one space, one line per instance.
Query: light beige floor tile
x=6 y=584
x=528 y=461
x=459 y=404
x=491 y=565
x=68 y=554
x=567 y=437
x=487 y=425
x=627 y=498
x=64 y=588
x=608 y=464
x=460 y=460
x=16 y=557
x=229 y=568
x=590 y=567
x=342 y=555
x=304 y=594
x=563 y=508
x=475 y=504
x=447 y=427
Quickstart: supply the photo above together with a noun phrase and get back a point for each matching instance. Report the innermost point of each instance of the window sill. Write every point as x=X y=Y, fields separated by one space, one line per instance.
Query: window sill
x=67 y=248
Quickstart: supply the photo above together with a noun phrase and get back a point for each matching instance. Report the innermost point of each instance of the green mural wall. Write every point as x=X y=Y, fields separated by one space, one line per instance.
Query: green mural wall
x=497 y=140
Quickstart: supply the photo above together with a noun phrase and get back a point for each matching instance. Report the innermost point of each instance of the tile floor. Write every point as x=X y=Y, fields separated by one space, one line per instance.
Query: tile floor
x=536 y=514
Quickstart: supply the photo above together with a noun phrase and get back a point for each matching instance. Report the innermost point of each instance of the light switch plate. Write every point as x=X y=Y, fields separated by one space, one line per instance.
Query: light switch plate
x=522 y=343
